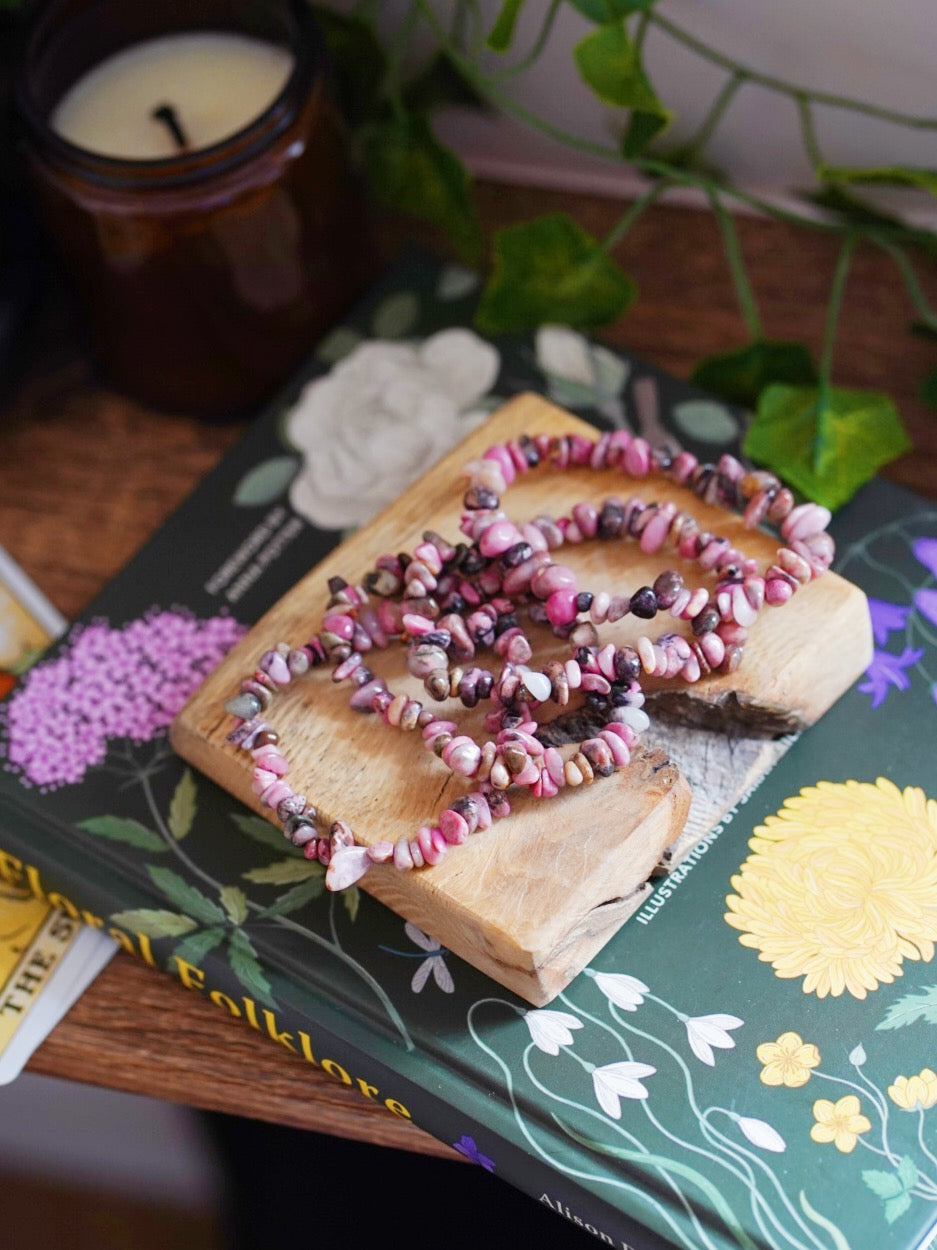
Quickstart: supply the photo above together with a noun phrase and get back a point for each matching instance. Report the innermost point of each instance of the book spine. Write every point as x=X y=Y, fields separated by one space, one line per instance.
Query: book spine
x=89 y=901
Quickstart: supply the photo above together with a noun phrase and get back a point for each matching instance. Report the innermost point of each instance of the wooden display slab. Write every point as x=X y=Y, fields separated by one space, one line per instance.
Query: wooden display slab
x=530 y=901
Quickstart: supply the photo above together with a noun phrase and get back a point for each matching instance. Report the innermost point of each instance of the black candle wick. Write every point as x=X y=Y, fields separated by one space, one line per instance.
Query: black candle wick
x=166 y=114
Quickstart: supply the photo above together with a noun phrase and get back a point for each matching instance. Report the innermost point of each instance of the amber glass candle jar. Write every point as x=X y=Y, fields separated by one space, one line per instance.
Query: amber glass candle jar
x=206 y=273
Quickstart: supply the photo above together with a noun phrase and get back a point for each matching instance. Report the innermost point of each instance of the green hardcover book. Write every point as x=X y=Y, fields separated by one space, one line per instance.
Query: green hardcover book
x=751 y=1062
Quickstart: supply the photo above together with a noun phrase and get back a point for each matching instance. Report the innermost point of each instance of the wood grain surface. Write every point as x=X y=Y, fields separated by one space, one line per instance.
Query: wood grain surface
x=87 y=475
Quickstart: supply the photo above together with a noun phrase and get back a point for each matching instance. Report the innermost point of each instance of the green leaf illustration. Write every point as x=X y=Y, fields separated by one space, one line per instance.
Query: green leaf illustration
x=123 y=829
x=601 y=11
x=298 y=897
x=154 y=922
x=456 y=282
x=265 y=482
x=413 y=173
x=609 y=62
x=911 y=1008
x=907 y=1172
x=284 y=872
x=194 y=949
x=262 y=831
x=669 y=1167
x=501 y=35
x=550 y=270
x=882 y=1184
x=739 y=377
x=192 y=901
x=351 y=898
x=827 y=446
x=357 y=59
x=396 y=316
x=896 y=1206
x=182 y=807
x=246 y=967
x=837 y=1237
x=706 y=420
x=234 y=901
x=338 y=344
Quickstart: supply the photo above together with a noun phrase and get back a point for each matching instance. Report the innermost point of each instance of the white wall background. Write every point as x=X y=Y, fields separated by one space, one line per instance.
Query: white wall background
x=882 y=53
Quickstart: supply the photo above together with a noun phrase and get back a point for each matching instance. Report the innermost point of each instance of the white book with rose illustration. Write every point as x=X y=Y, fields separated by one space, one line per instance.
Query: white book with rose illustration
x=750 y=1062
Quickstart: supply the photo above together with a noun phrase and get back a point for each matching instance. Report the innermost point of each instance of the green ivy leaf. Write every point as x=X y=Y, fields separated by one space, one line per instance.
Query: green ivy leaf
x=609 y=63
x=121 y=829
x=911 y=1008
x=739 y=377
x=234 y=902
x=265 y=482
x=182 y=806
x=601 y=11
x=246 y=967
x=192 y=901
x=413 y=173
x=643 y=127
x=154 y=922
x=550 y=270
x=298 y=897
x=284 y=872
x=834 y=198
x=501 y=35
x=825 y=446
x=262 y=831
x=927 y=392
x=358 y=61
x=439 y=84
x=883 y=175
x=194 y=949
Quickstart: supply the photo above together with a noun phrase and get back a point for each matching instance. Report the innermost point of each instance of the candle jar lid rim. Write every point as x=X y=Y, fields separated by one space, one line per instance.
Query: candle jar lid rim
x=193 y=166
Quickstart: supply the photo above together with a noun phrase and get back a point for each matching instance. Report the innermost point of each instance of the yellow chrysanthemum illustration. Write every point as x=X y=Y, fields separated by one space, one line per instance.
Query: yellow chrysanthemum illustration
x=787 y=1061
x=840 y=887
x=910 y=1092
x=840 y=1122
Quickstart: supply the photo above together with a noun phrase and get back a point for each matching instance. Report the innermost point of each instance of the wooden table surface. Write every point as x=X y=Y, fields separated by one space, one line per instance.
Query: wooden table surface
x=86 y=475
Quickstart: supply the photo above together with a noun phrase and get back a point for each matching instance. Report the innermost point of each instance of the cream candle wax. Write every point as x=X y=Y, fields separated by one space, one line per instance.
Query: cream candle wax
x=190 y=168
x=187 y=90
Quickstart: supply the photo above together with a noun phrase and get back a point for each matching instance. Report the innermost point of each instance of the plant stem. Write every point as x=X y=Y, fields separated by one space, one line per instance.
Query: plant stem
x=912 y=286
x=743 y=288
x=398 y=50
x=833 y=309
x=536 y=48
x=716 y=57
x=631 y=215
x=808 y=130
x=716 y=112
x=640 y=31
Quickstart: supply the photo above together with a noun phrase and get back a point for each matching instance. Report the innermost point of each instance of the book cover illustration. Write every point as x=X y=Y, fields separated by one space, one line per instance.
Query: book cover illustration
x=46 y=959
x=750 y=1062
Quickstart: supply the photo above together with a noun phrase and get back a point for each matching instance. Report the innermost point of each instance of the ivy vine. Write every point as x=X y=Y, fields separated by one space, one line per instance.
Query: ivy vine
x=822 y=438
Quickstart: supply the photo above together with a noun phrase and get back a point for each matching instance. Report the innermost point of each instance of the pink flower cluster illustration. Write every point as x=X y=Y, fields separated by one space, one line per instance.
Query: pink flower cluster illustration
x=108 y=683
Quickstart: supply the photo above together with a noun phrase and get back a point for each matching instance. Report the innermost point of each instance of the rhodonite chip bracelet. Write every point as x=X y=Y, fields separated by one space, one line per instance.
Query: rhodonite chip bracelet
x=450 y=604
